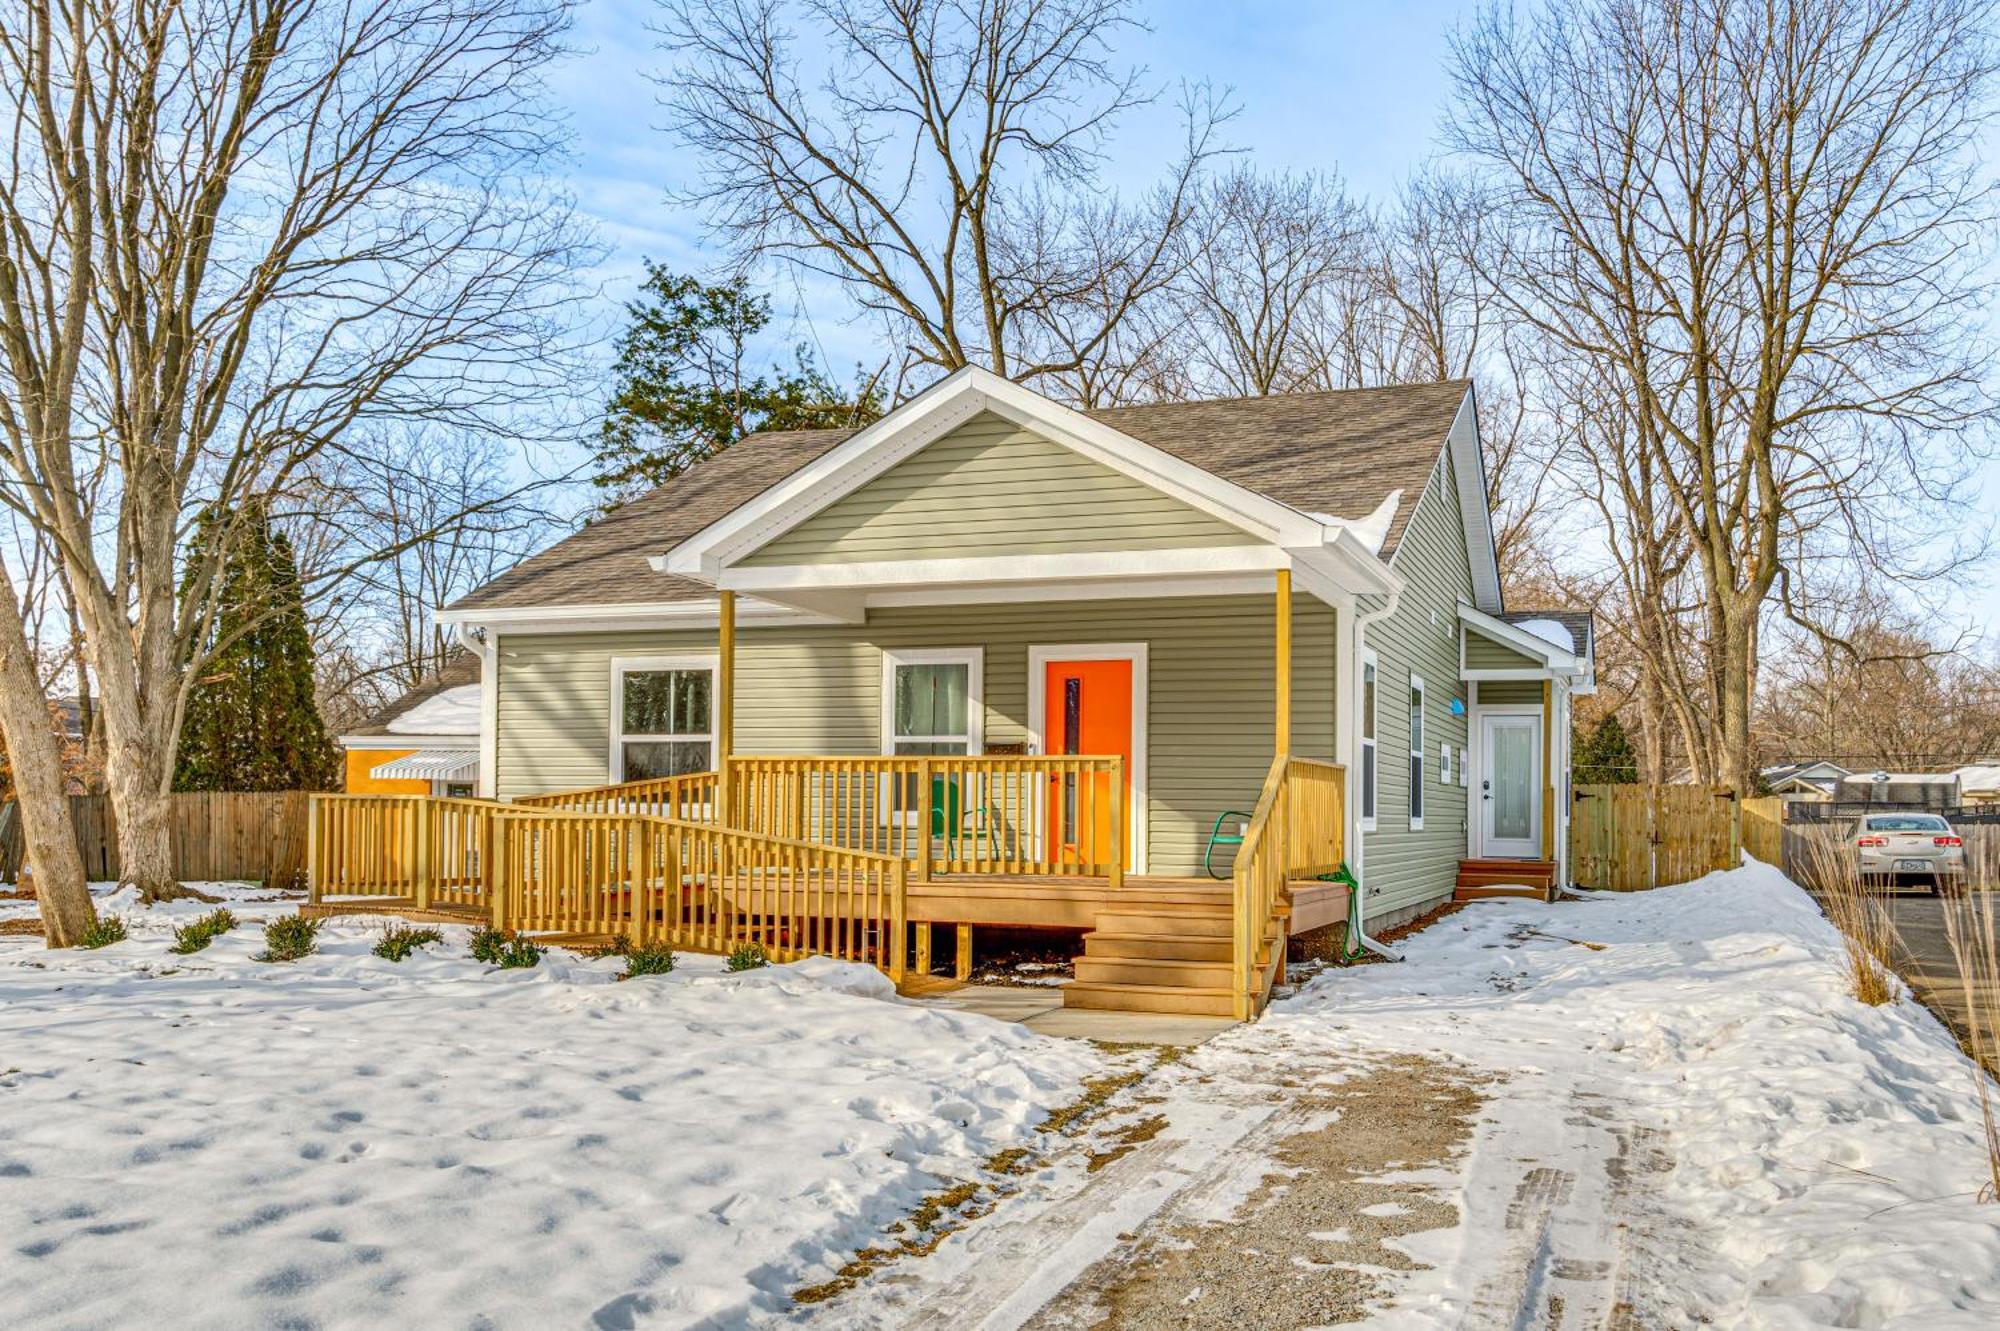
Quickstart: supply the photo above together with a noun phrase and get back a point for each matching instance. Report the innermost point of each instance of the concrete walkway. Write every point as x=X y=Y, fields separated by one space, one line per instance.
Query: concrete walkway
x=1040 y=1008
x=1923 y=958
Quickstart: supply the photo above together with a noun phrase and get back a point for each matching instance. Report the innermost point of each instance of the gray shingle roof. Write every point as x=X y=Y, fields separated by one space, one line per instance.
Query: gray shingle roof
x=1339 y=452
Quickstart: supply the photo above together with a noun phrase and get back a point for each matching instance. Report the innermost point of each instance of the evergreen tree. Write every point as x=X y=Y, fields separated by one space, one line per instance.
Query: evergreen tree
x=1605 y=755
x=252 y=720
x=684 y=390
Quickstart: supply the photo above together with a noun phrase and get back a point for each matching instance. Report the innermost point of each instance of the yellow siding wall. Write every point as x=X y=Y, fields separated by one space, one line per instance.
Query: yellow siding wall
x=362 y=761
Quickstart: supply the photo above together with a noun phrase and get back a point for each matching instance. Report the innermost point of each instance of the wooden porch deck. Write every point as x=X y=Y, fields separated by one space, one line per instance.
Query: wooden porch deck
x=1049 y=901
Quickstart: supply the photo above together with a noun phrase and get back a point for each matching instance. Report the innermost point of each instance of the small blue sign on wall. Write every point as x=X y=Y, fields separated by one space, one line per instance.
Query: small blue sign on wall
x=1458 y=707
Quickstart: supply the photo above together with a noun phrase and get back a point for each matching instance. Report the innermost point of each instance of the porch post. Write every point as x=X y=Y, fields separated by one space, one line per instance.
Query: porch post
x=725 y=705
x=1548 y=771
x=1284 y=661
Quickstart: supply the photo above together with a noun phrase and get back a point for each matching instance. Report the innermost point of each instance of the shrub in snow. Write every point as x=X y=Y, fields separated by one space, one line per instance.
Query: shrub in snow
x=195 y=936
x=748 y=957
x=289 y=937
x=497 y=947
x=400 y=940
x=648 y=959
x=105 y=931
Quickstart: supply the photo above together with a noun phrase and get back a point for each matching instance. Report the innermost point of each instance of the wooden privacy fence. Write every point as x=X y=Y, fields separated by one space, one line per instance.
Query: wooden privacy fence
x=1296 y=832
x=1629 y=837
x=640 y=876
x=255 y=836
x=1047 y=815
x=1764 y=829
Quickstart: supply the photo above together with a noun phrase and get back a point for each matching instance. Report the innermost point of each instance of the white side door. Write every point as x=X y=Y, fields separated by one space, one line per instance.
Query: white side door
x=1510 y=793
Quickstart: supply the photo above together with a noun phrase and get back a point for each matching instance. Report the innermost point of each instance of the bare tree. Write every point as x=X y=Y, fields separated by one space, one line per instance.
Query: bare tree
x=930 y=155
x=231 y=231
x=1268 y=254
x=401 y=521
x=1758 y=218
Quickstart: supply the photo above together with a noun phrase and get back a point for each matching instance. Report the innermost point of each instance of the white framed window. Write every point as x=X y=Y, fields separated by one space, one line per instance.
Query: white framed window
x=1416 y=753
x=1444 y=764
x=662 y=716
x=1370 y=670
x=933 y=701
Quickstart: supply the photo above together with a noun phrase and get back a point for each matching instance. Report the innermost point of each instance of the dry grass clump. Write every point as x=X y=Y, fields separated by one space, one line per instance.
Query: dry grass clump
x=1972 y=926
x=1857 y=911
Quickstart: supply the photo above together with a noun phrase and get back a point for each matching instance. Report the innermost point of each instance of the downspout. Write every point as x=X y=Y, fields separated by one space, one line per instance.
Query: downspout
x=1357 y=935
x=480 y=643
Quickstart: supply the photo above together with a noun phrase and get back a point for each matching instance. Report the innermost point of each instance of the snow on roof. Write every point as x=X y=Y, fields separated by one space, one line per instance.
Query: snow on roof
x=1550 y=632
x=451 y=712
x=1372 y=530
x=1979 y=778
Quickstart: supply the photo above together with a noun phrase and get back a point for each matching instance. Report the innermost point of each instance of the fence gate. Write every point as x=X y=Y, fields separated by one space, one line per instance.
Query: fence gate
x=1625 y=838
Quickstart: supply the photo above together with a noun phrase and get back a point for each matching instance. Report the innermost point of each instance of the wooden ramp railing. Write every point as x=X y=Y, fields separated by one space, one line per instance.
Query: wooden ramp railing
x=1298 y=831
x=647 y=878
x=1044 y=815
x=689 y=798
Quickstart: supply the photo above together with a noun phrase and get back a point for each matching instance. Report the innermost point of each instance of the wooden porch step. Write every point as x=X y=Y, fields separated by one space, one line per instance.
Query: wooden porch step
x=1152 y=920
x=1153 y=971
x=1490 y=891
x=1105 y=943
x=1206 y=1001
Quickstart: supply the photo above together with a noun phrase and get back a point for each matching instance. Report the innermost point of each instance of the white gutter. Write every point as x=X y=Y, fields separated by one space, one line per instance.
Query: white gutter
x=481 y=643
x=1356 y=916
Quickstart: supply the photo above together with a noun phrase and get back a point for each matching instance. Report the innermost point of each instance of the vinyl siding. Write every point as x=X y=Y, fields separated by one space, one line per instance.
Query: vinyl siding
x=992 y=488
x=1403 y=868
x=818 y=690
x=1482 y=653
x=1501 y=692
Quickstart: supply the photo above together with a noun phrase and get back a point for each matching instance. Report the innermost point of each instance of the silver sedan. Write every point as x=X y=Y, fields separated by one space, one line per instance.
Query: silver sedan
x=1905 y=845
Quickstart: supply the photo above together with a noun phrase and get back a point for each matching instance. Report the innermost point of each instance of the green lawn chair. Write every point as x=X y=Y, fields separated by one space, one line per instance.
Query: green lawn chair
x=1217 y=837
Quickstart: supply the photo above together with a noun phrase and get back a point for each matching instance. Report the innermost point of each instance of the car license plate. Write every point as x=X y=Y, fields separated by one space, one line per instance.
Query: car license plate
x=1912 y=866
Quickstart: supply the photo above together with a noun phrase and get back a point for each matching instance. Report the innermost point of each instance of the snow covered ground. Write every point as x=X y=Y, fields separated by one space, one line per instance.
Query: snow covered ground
x=344 y=1141
x=1687 y=1122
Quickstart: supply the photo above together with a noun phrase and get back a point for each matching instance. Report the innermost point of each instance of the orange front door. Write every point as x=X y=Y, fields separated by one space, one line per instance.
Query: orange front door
x=1089 y=711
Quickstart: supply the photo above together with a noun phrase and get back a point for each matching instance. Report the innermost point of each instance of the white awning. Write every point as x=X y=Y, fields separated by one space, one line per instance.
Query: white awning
x=431 y=765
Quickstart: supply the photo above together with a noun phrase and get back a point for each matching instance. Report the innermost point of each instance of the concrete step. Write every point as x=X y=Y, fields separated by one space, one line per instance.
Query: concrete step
x=1151 y=971
x=1159 y=947
x=1206 y=1002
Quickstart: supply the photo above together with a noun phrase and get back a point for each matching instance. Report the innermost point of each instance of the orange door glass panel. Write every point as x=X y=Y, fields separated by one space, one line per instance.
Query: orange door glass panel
x=1089 y=711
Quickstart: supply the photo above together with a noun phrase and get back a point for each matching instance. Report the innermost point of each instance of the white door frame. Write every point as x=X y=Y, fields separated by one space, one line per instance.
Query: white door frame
x=1477 y=784
x=1039 y=658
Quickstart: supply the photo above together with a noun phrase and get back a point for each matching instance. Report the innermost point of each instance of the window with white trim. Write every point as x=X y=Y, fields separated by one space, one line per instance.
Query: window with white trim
x=663 y=717
x=931 y=701
x=1416 y=753
x=1369 y=670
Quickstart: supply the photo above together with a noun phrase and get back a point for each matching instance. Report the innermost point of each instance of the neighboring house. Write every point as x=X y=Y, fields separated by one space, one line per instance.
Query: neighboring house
x=1979 y=783
x=425 y=742
x=1811 y=782
x=1936 y=790
x=987 y=571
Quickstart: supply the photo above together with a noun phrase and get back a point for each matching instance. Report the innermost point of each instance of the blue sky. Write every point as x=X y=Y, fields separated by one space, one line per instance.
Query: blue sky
x=1334 y=85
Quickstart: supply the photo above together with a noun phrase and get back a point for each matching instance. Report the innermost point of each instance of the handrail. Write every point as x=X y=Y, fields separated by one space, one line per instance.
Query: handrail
x=1298 y=830
x=690 y=796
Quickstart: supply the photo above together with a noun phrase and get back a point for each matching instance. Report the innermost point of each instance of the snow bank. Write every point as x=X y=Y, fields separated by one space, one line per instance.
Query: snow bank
x=345 y=1141
x=1816 y=1159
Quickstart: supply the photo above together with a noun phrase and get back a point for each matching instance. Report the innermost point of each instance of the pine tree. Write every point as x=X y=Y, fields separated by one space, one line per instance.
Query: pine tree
x=1605 y=755
x=252 y=720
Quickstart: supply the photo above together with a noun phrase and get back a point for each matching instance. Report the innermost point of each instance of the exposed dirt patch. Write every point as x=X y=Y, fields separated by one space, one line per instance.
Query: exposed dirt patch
x=1298 y=1251
x=21 y=928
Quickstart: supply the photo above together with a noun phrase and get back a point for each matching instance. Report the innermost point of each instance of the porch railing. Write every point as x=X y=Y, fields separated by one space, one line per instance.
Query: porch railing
x=689 y=798
x=1296 y=832
x=639 y=876
x=1044 y=815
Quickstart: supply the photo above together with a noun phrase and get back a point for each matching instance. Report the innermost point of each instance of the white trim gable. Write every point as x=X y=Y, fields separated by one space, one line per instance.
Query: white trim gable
x=1553 y=658
x=934 y=413
x=1468 y=464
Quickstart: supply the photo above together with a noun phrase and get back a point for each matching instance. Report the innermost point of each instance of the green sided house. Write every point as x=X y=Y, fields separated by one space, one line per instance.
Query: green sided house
x=1154 y=673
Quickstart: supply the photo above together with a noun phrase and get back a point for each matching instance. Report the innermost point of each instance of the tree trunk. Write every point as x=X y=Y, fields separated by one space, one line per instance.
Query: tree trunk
x=41 y=803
